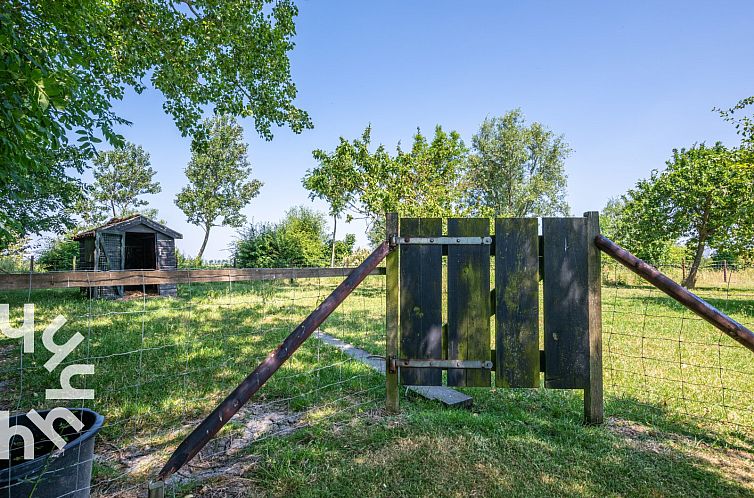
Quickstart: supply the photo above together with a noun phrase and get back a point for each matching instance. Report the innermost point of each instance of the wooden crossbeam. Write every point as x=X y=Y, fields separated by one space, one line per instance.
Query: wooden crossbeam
x=62 y=280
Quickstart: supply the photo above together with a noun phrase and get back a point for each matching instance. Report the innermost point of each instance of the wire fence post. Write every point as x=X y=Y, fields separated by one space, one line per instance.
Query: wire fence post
x=593 y=400
x=156 y=489
x=391 y=317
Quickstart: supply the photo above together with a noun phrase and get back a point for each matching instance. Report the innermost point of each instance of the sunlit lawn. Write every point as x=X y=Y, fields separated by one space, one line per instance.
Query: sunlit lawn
x=161 y=364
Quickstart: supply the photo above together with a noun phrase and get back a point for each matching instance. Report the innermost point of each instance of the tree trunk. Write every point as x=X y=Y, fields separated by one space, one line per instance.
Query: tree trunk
x=204 y=244
x=334 y=227
x=690 y=280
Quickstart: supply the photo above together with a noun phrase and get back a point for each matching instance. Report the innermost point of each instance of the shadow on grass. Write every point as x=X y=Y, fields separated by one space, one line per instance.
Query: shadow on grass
x=513 y=443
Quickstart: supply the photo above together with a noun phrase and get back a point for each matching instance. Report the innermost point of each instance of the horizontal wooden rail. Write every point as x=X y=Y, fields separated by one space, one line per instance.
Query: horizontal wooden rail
x=674 y=290
x=62 y=280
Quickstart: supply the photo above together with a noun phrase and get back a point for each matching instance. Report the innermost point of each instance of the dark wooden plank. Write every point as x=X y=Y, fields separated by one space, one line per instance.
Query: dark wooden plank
x=517 y=306
x=421 y=301
x=468 y=302
x=566 y=311
x=593 y=402
x=392 y=303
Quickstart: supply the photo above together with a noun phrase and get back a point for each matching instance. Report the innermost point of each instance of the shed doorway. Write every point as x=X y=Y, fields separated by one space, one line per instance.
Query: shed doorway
x=140 y=254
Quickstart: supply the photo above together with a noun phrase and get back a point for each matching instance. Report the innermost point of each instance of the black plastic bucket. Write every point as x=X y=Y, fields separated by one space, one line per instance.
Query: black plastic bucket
x=52 y=473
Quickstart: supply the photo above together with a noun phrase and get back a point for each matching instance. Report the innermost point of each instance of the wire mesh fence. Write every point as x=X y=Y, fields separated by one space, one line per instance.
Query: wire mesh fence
x=659 y=353
x=160 y=364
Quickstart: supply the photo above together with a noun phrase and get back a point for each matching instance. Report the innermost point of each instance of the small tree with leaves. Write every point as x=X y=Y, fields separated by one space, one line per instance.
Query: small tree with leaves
x=121 y=176
x=219 y=174
x=704 y=197
x=516 y=169
x=422 y=181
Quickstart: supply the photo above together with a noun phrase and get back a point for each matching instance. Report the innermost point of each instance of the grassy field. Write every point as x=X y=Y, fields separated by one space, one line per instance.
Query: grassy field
x=679 y=398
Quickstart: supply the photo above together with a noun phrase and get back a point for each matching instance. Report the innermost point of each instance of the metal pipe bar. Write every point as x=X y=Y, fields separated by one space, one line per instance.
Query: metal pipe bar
x=444 y=364
x=256 y=379
x=690 y=300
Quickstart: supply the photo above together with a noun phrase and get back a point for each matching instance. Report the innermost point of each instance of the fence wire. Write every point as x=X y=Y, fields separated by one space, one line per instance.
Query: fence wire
x=658 y=353
x=160 y=364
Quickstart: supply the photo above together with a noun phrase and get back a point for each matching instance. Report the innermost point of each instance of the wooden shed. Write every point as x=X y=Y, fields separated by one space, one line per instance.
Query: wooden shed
x=131 y=243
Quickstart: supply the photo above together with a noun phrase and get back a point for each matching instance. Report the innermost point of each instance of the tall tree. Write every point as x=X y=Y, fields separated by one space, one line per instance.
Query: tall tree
x=516 y=169
x=121 y=176
x=64 y=63
x=219 y=174
x=705 y=197
x=422 y=181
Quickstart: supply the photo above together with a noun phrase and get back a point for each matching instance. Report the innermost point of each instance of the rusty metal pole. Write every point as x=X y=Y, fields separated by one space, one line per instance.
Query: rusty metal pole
x=690 y=300
x=256 y=379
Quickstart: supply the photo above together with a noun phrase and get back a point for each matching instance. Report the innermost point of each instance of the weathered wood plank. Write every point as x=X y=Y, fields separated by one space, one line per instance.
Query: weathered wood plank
x=517 y=306
x=445 y=395
x=566 y=303
x=421 y=301
x=593 y=401
x=392 y=303
x=468 y=302
x=62 y=280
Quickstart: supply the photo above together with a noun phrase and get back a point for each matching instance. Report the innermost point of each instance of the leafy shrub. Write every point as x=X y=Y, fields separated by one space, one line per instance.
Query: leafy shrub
x=58 y=254
x=298 y=240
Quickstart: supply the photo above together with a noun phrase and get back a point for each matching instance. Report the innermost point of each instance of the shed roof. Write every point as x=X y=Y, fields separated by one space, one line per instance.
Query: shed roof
x=123 y=224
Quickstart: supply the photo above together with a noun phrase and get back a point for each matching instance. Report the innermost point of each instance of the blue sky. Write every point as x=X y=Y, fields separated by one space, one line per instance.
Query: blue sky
x=625 y=82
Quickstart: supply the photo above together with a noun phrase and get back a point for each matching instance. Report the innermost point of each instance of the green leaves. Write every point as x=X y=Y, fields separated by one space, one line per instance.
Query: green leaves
x=704 y=197
x=743 y=123
x=516 y=170
x=424 y=181
x=299 y=240
x=64 y=63
x=121 y=176
x=219 y=174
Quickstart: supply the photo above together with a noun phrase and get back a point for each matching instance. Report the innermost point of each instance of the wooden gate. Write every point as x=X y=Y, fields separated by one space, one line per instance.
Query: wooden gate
x=428 y=334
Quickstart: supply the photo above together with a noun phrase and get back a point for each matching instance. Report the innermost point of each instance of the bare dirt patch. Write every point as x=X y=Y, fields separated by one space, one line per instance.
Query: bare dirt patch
x=222 y=462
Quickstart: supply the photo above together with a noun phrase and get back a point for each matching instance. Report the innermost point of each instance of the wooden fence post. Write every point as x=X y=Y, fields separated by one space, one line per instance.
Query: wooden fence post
x=593 y=400
x=392 y=304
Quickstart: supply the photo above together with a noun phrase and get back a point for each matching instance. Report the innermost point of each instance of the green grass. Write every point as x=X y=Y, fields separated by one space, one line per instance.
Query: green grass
x=679 y=395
